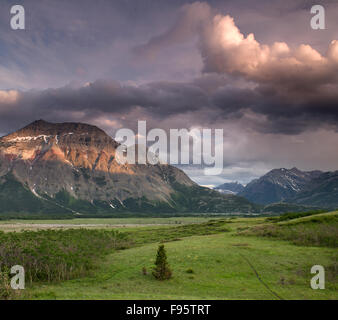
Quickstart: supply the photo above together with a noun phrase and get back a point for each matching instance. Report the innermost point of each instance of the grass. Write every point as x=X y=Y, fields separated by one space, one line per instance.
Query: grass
x=214 y=259
x=327 y=217
x=295 y=215
x=316 y=230
x=113 y=221
x=143 y=236
x=94 y=223
x=220 y=272
x=57 y=255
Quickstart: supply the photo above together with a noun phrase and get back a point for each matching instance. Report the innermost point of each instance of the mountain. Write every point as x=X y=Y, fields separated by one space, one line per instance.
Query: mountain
x=58 y=167
x=278 y=185
x=321 y=191
x=230 y=188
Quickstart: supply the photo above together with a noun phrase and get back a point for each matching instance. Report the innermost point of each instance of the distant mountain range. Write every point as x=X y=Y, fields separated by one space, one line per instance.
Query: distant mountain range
x=72 y=167
x=321 y=191
x=293 y=186
x=58 y=168
x=230 y=188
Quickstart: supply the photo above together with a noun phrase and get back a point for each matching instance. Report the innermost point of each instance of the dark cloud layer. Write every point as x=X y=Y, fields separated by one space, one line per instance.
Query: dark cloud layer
x=292 y=88
x=274 y=111
x=254 y=68
x=273 y=88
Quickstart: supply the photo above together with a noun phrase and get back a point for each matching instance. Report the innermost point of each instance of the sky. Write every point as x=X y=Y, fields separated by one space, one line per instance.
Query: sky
x=254 y=68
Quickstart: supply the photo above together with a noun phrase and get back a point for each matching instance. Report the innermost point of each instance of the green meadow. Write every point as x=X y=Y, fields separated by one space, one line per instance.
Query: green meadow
x=219 y=258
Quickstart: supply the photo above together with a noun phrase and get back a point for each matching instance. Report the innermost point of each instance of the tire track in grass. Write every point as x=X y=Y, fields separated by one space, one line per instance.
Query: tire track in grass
x=260 y=279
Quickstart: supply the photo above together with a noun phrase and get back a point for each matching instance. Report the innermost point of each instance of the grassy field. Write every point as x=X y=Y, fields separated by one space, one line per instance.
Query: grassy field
x=319 y=229
x=108 y=223
x=113 y=221
x=211 y=259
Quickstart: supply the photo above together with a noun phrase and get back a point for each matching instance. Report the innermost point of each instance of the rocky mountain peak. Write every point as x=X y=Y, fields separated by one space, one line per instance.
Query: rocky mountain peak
x=76 y=144
x=278 y=185
x=41 y=127
x=75 y=167
x=230 y=188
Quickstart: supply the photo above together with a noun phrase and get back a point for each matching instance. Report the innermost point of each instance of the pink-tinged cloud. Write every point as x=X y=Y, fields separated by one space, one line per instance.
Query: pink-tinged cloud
x=8 y=97
x=226 y=50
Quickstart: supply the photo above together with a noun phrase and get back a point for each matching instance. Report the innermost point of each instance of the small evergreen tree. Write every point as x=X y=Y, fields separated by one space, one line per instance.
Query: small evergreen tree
x=162 y=270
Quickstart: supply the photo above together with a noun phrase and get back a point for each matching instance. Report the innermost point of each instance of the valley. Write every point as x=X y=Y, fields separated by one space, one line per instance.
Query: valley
x=217 y=258
x=84 y=226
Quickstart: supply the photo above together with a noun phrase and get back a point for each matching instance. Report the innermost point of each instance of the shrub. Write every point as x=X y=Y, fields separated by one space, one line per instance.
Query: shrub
x=295 y=215
x=322 y=234
x=162 y=270
x=56 y=255
x=6 y=292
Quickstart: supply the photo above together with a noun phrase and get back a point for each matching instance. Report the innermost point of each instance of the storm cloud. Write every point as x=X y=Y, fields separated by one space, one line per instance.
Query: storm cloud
x=253 y=68
x=264 y=107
